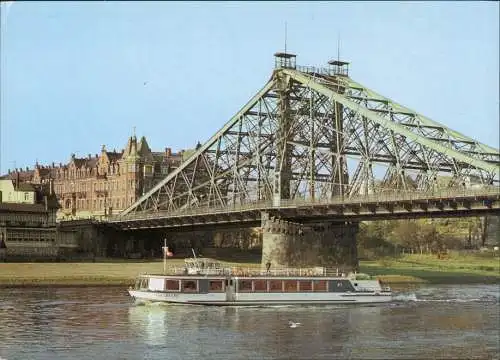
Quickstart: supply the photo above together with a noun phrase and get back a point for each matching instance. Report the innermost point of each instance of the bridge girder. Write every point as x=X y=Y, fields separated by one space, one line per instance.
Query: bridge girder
x=306 y=135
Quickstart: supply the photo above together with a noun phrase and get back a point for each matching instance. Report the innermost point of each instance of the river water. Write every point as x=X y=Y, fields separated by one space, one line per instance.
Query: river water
x=430 y=322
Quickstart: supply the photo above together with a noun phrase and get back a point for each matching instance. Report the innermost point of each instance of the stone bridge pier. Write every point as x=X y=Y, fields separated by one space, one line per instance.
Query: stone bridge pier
x=291 y=244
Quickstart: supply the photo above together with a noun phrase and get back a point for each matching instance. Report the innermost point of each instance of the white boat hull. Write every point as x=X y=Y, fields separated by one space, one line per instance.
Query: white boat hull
x=261 y=299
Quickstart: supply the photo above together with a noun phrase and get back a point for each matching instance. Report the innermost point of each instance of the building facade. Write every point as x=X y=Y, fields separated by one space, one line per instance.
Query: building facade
x=27 y=221
x=104 y=184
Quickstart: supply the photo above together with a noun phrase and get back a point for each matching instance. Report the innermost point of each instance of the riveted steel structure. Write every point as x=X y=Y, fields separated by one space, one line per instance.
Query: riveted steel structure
x=315 y=134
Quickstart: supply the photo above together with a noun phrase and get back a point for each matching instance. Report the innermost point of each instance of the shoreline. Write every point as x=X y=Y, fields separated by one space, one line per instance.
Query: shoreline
x=123 y=274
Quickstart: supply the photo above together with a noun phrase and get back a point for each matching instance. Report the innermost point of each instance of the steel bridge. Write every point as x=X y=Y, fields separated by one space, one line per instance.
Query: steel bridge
x=315 y=145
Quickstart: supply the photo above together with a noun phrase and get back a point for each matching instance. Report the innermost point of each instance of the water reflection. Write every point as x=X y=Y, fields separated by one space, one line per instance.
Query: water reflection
x=81 y=323
x=149 y=323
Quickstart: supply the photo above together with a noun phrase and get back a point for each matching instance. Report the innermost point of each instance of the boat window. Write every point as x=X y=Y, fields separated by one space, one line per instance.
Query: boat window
x=215 y=285
x=305 y=285
x=260 y=285
x=189 y=286
x=319 y=285
x=290 y=285
x=172 y=285
x=144 y=283
x=245 y=285
x=275 y=285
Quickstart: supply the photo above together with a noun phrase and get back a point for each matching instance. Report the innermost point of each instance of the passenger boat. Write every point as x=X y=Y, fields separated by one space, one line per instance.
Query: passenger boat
x=204 y=281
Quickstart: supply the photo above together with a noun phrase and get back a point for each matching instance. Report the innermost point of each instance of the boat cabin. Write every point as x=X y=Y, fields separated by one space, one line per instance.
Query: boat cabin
x=204 y=285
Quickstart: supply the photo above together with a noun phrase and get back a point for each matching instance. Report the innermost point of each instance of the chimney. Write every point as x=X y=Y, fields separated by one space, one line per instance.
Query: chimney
x=17 y=180
x=27 y=168
x=168 y=152
x=53 y=165
x=90 y=156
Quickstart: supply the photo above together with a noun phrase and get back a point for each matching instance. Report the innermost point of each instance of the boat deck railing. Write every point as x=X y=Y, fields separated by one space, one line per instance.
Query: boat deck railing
x=250 y=272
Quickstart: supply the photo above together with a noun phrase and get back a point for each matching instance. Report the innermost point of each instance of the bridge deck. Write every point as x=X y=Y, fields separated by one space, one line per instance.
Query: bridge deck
x=468 y=202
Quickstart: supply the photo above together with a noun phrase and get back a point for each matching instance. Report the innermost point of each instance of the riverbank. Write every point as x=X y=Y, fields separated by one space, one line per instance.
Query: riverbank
x=407 y=269
x=454 y=269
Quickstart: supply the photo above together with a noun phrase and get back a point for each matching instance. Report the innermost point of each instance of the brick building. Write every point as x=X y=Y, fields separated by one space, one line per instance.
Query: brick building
x=104 y=184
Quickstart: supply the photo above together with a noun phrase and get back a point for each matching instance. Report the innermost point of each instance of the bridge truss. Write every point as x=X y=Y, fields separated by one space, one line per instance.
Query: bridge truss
x=314 y=133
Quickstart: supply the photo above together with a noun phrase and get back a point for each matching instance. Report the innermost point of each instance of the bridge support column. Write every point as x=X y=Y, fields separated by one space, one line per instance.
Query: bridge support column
x=290 y=244
x=278 y=240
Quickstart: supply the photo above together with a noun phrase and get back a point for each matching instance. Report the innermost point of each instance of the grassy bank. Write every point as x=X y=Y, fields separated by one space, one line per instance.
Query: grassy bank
x=121 y=273
x=105 y=273
x=406 y=269
x=456 y=269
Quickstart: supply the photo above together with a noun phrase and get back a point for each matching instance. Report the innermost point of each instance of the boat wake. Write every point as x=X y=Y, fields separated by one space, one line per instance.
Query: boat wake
x=412 y=297
x=405 y=297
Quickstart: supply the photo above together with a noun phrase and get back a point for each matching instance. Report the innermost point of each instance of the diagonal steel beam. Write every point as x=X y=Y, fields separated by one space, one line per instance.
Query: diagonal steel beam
x=203 y=148
x=429 y=122
x=400 y=129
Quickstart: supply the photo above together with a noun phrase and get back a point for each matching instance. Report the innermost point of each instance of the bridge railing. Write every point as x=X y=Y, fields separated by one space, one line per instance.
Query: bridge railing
x=387 y=196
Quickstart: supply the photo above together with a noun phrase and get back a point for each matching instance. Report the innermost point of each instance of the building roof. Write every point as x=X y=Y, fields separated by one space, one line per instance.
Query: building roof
x=113 y=156
x=23 y=175
x=134 y=150
x=23 y=186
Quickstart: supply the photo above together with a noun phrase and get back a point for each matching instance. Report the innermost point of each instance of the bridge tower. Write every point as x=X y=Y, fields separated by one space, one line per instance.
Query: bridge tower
x=286 y=243
x=283 y=169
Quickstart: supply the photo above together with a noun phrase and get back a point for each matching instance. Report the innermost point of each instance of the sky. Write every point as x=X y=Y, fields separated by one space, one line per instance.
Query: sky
x=78 y=75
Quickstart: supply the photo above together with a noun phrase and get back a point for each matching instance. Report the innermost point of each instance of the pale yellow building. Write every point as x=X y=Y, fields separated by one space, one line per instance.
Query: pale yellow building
x=13 y=191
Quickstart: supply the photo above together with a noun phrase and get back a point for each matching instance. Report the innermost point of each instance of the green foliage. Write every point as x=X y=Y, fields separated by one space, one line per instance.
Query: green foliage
x=426 y=236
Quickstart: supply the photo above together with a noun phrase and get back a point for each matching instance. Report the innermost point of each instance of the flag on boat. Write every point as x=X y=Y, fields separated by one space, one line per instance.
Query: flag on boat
x=166 y=252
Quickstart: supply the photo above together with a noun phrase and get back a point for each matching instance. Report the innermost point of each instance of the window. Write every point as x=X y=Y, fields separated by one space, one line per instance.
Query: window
x=172 y=285
x=290 y=285
x=245 y=285
x=215 y=286
x=275 y=286
x=189 y=286
x=305 y=285
x=260 y=285
x=319 y=285
x=144 y=283
x=26 y=196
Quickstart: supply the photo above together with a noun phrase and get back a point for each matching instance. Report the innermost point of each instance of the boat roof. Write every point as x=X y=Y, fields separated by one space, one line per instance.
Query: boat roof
x=202 y=260
x=261 y=277
x=256 y=273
